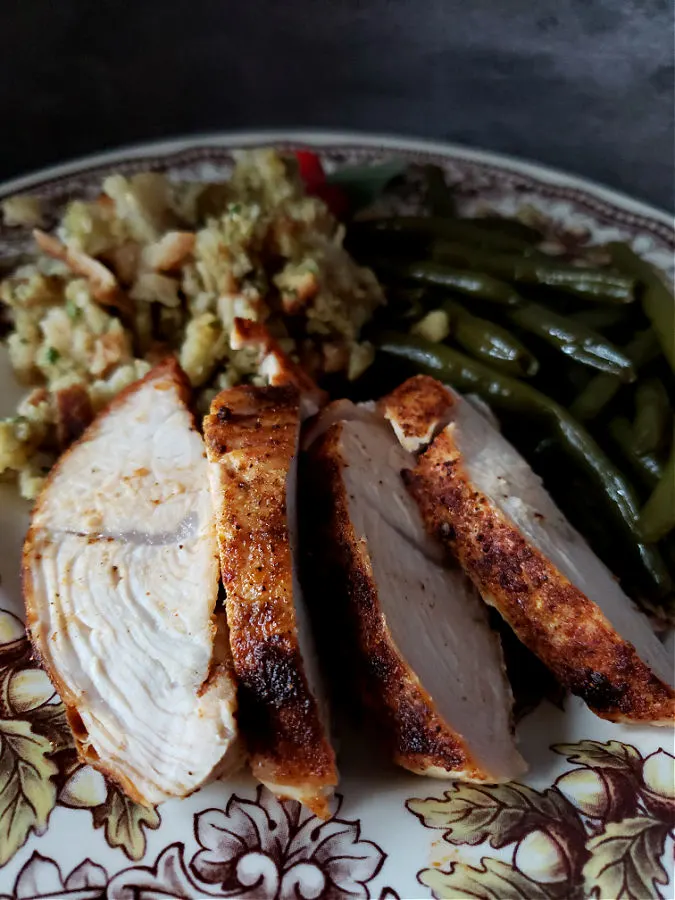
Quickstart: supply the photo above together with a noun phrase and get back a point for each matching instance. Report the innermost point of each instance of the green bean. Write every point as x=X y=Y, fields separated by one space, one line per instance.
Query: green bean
x=667 y=548
x=430 y=228
x=515 y=396
x=657 y=300
x=575 y=340
x=653 y=415
x=472 y=284
x=657 y=518
x=600 y=285
x=600 y=317
x=603 y=388
x=595 y=396
x=438 y=194
x=574 y=376
x=489 y=342
x=513 y=227
x=646 y=466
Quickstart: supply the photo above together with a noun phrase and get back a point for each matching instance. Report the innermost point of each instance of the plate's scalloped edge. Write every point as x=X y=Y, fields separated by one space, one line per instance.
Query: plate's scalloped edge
x=598 y=199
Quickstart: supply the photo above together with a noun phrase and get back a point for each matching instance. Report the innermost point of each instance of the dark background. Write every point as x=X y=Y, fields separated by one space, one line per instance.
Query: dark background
x=586 y=85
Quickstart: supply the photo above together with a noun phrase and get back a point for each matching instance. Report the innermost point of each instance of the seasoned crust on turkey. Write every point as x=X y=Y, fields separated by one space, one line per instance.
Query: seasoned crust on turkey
x=480 y=497
x=426 y=661
x=251 y=438
x=416 y=410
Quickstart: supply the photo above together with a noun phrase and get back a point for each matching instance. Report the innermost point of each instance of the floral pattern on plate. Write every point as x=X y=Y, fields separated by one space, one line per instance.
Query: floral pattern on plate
x=262 y=848
x=599 y=831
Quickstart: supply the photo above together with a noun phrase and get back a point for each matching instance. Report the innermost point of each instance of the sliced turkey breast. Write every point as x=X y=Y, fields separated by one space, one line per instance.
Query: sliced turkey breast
x=428 y=664
x=121 y=583
x=251 y=439
x=479 y=495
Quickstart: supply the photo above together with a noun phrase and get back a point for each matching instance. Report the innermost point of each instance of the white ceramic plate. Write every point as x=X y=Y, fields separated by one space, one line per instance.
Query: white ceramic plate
x=594 y=817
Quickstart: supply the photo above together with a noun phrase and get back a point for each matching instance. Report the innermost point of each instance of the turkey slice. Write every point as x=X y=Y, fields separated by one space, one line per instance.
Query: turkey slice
x=121 y=582
x=251 y=440
x=429 y=666
x=478 y=495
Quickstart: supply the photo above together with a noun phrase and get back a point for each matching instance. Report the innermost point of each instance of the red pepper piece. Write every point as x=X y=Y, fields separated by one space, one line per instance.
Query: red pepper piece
x=310 y=168
x=334 y=197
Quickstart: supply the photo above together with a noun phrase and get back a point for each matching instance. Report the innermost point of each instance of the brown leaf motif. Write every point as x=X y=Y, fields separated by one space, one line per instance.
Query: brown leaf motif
x=50 y=721
x=596 y=755
x=492 y=880
x=600 y=832
x=27 y=771
x=124 y=822
x=502 y=814
x=27 y=788
x=275 y=849
x=626 y=860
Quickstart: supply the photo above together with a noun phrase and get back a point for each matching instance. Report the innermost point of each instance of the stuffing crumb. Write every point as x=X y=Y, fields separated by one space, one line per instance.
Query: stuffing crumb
x=15 y=449
x=31 y=480
x=435 y=326
x=22 y=211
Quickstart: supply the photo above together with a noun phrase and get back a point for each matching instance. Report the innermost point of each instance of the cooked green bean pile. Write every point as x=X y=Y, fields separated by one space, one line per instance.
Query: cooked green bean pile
x=578 y=361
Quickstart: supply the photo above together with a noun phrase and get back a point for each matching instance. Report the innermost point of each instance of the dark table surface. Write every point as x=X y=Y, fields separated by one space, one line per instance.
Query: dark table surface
x=585 y=85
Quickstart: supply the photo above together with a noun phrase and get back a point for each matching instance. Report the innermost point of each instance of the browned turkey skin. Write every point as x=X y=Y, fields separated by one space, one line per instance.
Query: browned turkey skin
x=479 y=496
x=251 y=439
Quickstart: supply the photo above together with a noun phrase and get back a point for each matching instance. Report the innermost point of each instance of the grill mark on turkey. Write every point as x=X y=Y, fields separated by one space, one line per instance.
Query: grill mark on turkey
x=597 y=690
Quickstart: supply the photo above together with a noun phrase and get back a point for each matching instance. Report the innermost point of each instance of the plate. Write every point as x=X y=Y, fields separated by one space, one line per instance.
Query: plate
x=593 y=818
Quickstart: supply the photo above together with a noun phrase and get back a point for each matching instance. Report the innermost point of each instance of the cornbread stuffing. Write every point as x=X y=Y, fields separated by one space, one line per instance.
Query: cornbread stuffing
x=153 y=267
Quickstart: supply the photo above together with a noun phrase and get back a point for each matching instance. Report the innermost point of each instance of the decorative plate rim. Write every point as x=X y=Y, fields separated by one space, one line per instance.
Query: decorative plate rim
x=545 y=174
